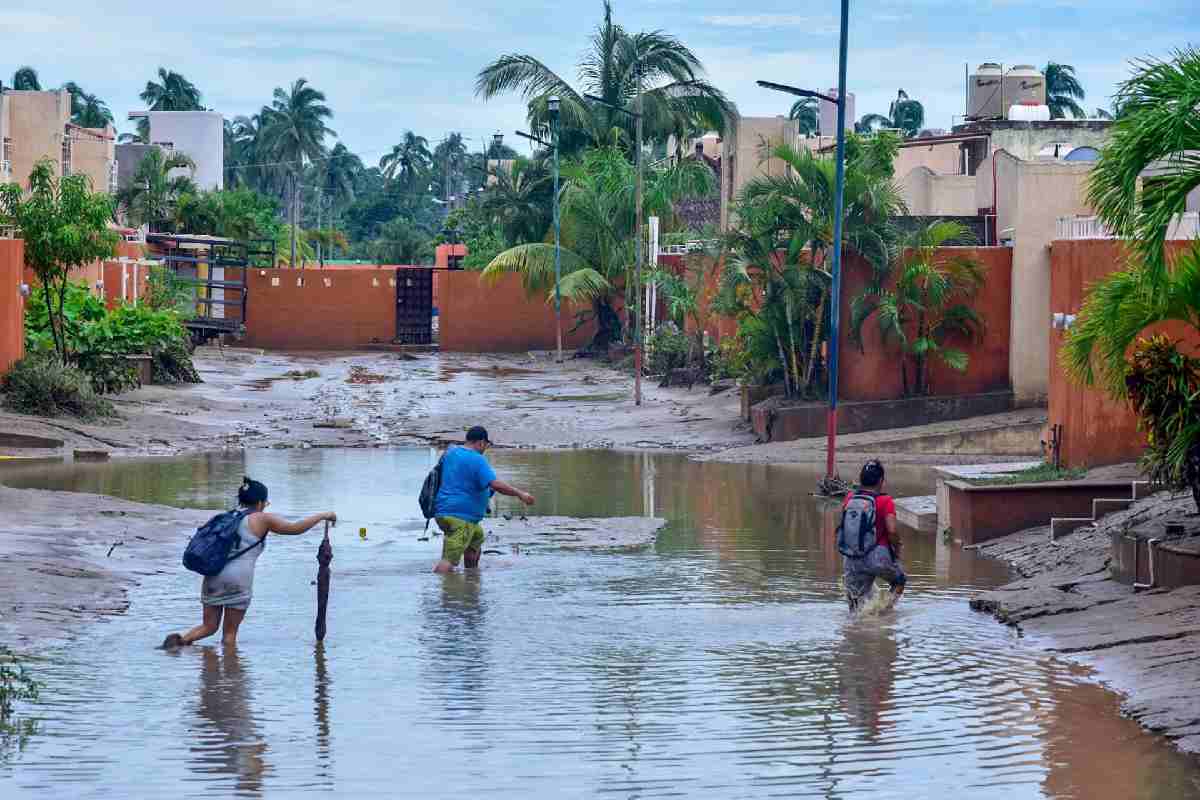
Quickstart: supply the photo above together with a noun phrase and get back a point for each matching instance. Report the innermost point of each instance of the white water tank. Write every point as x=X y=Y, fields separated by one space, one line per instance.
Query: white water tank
x=1024 y=84
x=984 y=94
x=828 y=113
x=1028 y=112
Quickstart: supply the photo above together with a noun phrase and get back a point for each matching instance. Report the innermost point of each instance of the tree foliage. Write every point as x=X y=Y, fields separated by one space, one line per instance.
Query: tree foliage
x=64 y=225
x=1063 y=91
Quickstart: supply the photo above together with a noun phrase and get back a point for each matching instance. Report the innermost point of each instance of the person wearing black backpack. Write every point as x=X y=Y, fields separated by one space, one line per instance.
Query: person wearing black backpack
x=868 y=541
x=225 y=594
x=465 y=484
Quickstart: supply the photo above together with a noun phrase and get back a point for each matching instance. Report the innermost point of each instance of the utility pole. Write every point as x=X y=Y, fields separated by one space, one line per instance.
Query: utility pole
x=292 y=262
x=835 y=292
x=552 y=105
x=641 y=253
x=320 y=252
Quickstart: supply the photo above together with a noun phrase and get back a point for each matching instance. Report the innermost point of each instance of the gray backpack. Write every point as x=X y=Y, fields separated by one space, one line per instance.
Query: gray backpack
x=856 y=534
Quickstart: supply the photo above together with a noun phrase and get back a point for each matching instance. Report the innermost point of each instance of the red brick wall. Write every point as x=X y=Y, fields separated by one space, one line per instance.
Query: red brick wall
x=12 y=305
x=1095 y=429
x=482 y=317
x=292 y=309
x=873 y=373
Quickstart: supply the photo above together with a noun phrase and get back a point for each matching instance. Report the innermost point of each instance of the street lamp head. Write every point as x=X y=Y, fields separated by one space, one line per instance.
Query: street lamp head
x=497 y=139
x=552 y=103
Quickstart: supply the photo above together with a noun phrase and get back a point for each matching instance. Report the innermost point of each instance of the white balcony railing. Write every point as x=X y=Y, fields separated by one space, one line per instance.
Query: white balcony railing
x=1185 y=226
x=694 y=246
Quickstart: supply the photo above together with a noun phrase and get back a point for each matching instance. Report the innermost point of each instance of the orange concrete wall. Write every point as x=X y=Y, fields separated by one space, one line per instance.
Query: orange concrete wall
x=873 y=373
x=292 y=309
x=482 y=317
x=1095 y=429
x=12 y=305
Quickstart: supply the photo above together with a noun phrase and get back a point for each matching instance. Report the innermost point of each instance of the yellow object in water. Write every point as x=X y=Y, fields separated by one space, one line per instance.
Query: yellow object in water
x=362 y=534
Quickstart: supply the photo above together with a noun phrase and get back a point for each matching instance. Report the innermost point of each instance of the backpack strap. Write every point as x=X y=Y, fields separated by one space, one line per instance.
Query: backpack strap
x=262 y=540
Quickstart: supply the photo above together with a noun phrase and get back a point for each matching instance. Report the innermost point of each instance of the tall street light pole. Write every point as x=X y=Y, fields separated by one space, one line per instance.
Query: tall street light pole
x=835 y=300
x=552 y=105
x=637 y=228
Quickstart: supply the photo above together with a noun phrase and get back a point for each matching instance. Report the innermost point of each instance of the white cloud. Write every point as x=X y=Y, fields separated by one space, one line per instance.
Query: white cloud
x=768 y=21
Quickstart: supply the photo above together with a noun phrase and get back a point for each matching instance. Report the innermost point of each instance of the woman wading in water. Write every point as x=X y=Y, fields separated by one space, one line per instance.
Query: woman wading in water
x=227 y=594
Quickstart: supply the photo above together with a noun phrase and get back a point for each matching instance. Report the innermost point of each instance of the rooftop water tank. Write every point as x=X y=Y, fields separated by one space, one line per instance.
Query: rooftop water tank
x=1029 y=113
x=1024 y=85
x=984 y=99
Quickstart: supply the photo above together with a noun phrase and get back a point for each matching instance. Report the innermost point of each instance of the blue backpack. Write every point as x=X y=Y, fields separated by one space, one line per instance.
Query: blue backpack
x=211 y=546
x=856 y=533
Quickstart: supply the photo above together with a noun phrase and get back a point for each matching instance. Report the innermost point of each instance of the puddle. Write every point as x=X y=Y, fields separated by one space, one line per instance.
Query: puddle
x=721 y=663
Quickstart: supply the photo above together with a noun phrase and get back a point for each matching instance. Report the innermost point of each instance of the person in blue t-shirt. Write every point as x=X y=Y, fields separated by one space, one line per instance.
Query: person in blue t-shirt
x=468 y=482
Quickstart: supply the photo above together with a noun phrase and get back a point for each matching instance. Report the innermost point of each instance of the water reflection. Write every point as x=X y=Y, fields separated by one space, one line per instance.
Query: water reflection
x=229 y=741
x=721 y=663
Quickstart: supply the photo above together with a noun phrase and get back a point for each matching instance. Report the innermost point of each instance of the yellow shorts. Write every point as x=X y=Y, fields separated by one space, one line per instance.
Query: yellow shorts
x=459 y=535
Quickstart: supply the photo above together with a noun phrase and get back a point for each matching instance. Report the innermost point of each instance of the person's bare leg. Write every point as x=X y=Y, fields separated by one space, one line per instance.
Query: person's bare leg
x=895 y=598
x=233 y=619
x=471 y=558
x=442 y=567
x=212 y=621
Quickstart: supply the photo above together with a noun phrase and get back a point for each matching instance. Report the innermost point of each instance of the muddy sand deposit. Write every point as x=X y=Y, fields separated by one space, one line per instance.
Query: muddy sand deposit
x=1145 y=646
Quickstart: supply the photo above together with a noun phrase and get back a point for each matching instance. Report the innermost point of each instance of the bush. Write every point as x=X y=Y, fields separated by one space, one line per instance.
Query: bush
x=41 y=384
x=667 y=349
x=728 y=360
x=99 y=340
x=1164 y=389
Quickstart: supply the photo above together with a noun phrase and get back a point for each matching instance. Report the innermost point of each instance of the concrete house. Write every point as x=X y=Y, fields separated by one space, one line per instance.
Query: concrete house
x=37 y=125
x=198 y=134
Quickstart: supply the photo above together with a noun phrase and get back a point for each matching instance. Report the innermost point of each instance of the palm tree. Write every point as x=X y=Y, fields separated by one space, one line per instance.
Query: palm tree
x=596 y=212
x=675 y=95
x=293 y=132
x=340 y=174
x=794 y=212
x=1063 y=90
x=87 y=110
x=407 y=160
x=905 y=114
x=807 y=114
x=449 y=158
x=152 y=197
x=25 y=79
x=1158 y=130
x=928 y=303
x=172 y=92
x=520 y=202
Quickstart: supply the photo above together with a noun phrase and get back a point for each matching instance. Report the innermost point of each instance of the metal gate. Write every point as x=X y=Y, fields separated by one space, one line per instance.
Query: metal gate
x=414 y=305
x=214 y=270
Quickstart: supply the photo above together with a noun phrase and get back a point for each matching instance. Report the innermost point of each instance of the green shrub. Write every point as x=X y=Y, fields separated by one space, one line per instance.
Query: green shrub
x=667 y=348
x=41 y=384
x=1164 y=390
x=99 y=340
x=728 y=360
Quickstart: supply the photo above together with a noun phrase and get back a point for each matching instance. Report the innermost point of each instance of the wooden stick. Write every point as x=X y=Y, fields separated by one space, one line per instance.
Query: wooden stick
x=324 y=556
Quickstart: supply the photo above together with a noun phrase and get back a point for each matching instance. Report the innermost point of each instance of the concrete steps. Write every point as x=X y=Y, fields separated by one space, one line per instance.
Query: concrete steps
x=1101 y=507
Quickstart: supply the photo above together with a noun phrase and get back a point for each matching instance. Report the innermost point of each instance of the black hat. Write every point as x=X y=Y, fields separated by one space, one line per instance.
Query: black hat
x=478 y=434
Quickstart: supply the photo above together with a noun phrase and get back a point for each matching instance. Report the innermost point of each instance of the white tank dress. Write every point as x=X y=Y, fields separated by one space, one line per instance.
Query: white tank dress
x=233 y=586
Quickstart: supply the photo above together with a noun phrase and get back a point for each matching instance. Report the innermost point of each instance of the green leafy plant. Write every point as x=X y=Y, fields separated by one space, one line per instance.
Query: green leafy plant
x=730 y=359
x=1041 y=473
x=1164 y=389
x=166 y=291
x=668 y=348
x=64 y=225
x=929 y=302
x=42 y=385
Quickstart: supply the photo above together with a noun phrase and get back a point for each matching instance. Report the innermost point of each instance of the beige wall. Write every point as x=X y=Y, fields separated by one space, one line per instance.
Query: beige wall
x=740 y=155
x=928 y=194
x=36 y=122
x=1030 y=197
x=5 y=175
x=944 y=158
x=1026 y=143
x=93 y=151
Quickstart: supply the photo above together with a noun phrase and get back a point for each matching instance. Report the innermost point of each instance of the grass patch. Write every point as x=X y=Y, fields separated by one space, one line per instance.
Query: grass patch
x=301 y=375
x=1042 y=473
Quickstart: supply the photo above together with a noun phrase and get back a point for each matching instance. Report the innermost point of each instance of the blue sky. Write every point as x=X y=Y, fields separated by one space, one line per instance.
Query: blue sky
x=389 y=66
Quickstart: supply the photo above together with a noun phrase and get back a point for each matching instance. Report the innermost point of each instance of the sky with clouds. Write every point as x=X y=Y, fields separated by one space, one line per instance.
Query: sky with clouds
x=389 y=66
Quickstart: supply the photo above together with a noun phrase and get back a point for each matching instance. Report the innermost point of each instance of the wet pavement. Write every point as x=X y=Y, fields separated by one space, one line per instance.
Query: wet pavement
x=719 y=663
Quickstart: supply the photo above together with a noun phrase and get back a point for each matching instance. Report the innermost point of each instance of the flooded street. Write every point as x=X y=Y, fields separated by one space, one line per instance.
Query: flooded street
x=720 y=663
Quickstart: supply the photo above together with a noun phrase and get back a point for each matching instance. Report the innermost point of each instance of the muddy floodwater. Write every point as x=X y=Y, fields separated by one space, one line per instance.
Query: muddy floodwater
x=721 y=663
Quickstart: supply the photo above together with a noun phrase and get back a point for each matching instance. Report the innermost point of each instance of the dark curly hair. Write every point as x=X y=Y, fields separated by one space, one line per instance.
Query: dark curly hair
x=872 y=473
x=251 y=492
